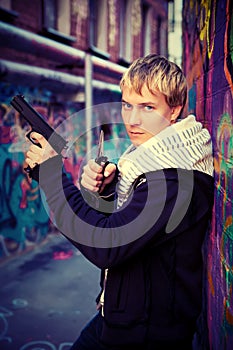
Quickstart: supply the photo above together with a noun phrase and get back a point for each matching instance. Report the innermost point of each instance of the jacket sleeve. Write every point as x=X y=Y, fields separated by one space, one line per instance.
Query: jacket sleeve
x=107 y=239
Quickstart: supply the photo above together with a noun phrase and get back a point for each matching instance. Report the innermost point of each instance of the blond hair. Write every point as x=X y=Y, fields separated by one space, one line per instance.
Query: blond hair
x=157 y=73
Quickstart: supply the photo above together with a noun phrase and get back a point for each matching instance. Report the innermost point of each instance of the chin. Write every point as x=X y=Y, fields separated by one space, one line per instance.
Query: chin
x=137 y=143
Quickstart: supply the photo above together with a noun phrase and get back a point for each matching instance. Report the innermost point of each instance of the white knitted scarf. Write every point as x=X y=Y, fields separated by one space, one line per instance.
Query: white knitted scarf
x=184 y=145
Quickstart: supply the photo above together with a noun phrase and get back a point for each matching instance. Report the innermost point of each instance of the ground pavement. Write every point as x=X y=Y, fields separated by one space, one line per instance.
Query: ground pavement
x=46 y=297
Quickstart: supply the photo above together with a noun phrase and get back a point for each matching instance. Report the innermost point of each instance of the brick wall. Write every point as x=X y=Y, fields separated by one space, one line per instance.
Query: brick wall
x=30 y=14
x=208 y=64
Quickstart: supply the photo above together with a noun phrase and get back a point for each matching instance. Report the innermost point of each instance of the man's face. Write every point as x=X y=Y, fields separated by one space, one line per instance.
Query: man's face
x=145 y=115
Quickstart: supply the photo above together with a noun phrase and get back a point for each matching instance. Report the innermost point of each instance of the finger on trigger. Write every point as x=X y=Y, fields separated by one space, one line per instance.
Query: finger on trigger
x=39 y=138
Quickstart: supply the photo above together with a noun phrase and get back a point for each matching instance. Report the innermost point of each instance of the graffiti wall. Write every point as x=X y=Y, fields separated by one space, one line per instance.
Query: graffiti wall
x=208 y=64
x=24 y=218
x=19 y=197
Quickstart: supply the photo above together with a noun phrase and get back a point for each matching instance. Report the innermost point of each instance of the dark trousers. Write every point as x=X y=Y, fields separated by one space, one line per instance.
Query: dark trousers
x=89 y=339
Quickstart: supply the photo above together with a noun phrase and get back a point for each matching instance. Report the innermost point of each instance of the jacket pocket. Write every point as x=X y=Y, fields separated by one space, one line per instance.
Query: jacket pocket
x=127 y=295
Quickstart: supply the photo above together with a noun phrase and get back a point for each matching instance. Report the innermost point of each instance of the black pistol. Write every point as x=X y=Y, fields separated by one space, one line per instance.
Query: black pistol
x=38 y=124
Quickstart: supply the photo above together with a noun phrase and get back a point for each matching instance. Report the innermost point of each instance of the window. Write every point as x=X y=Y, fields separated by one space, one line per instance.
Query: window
x=6 y=13
x=50 y=14
x=6 y=4
x=146 y=32
x=126 y=37
x=99 y=27
x=56 y=20
x=171 y=16
x=162 y=37
x=63 y=16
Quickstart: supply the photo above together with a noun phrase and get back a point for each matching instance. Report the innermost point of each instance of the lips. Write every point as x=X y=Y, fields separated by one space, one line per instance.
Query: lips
x=135 y=132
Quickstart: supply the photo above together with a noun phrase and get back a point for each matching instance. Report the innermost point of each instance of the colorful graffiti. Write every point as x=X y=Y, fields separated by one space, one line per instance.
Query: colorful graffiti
x=24 y=220
x=18 y=195
x=208 y=63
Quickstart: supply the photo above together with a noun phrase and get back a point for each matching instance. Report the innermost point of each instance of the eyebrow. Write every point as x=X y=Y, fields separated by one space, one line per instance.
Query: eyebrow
x=141 y=104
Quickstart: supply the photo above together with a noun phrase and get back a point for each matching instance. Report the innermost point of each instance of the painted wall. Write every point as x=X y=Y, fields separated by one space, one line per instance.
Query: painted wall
x=208 y=64
x=23 y=218
x=24 y=221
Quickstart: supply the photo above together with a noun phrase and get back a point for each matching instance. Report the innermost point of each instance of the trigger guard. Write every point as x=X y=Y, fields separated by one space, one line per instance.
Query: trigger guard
x=28 y=135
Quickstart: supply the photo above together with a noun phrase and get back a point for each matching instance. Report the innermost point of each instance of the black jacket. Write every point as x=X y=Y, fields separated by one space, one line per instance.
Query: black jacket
x=152 y=248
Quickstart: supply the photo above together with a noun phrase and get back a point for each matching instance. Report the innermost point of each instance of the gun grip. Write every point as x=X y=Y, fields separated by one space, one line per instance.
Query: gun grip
x=28 y=135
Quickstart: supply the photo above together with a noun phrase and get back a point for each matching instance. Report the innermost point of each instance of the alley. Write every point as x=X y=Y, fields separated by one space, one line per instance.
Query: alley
x=47 y=296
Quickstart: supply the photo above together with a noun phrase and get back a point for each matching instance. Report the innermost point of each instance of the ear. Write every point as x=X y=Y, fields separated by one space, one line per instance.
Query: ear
x=175 y=113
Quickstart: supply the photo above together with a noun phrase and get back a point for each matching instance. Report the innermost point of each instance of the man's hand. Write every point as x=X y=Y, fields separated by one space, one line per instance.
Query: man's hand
x=37 y=155
x=93 y=178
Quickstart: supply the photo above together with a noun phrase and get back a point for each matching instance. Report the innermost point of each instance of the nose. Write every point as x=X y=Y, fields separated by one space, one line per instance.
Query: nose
x=134 y=117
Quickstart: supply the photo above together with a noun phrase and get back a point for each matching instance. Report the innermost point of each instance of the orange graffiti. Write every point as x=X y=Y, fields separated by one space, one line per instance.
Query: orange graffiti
x=211 y=283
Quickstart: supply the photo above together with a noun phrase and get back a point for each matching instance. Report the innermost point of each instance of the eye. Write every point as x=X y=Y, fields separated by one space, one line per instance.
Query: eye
x=148 y=108
x=126 y=106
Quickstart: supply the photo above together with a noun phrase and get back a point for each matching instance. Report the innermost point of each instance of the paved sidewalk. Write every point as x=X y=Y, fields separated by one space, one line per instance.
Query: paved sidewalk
x=46 y=297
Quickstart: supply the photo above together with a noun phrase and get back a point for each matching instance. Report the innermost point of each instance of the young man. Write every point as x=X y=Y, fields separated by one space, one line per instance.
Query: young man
x=149 y=248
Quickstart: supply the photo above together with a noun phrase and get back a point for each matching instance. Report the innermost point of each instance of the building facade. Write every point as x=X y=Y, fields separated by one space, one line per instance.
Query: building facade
x=65 y=57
